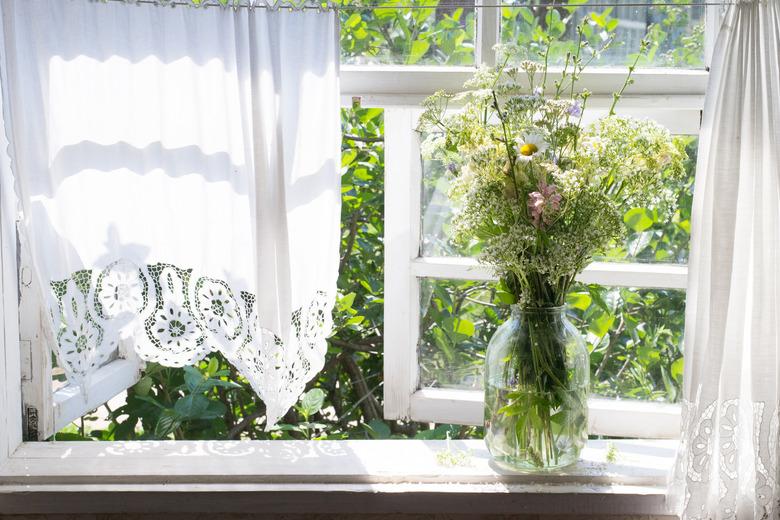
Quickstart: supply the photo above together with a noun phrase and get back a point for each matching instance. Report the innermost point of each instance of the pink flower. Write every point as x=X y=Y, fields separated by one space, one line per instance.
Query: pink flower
x=543 y=204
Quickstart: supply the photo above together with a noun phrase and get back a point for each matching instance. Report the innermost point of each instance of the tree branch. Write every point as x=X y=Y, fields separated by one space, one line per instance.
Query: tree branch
x=349 y=137
x=246 y=421
x=363 y=345
x=369 y=404
x=351 y=237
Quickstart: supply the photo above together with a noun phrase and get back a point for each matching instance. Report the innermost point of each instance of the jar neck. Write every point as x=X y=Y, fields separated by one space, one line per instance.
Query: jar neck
x=519 y=311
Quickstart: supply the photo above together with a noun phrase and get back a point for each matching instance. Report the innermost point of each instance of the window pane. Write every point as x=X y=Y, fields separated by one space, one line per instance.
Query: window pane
x=661 y=234
x=658 y=234
x=634 y=336
x=412 y=36
x=676 y=32
x=437 y=212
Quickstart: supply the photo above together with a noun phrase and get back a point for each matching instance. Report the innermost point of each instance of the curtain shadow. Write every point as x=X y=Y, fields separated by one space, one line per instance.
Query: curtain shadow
x=174 y=162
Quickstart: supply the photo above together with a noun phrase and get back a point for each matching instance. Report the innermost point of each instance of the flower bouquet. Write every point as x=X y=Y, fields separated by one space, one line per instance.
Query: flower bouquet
x=543 y=192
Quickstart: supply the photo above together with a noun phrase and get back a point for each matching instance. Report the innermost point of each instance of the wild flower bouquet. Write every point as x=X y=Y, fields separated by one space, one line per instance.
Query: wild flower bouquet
x=540 y=190
x=543 y=193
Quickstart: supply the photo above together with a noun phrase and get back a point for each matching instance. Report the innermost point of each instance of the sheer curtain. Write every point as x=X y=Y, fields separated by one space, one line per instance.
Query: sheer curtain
x=178 y=171
x=728 y=464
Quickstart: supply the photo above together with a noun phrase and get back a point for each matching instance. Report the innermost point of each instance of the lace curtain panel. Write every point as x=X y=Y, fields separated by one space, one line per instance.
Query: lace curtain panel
x=178 y=172
x=728 y=463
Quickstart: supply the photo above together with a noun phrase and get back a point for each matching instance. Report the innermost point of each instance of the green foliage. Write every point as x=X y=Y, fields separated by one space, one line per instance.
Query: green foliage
x=421 y=36
x=428 y=35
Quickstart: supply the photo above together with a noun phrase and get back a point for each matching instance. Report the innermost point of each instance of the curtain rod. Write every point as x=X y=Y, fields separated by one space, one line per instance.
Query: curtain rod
x=328 y=5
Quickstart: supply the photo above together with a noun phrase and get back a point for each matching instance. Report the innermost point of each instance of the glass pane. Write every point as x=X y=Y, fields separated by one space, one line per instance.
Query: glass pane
x=634 y=335
x=419 y=35
x=661 y=234
x=658 y=234
x=437 y=213
x=676 y=32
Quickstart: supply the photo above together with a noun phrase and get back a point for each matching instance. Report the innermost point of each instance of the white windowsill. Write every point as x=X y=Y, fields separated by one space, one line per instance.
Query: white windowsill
x=389 y=476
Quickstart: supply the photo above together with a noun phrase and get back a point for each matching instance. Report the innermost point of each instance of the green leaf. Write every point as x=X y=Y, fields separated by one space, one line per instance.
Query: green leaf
x=150 y=400
x=417 y=51
x=143 y=386
x=677 y=370
x=191 y=406
x=377 y=429
x=638 y=219
x=213 y=367
x=311 y=402
x=352 y=21
x=579 y=300
x=346 y=301
x=192 y=378
x=214 y=410
x=166 y=424
x=460 y=326
x=602 y=324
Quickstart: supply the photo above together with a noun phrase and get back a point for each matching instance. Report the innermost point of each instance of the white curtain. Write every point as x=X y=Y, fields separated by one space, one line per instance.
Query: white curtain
x=728 y=463
x=178 y=171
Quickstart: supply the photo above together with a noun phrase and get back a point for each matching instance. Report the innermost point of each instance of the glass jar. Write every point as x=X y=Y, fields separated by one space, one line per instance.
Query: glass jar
x=537 y=377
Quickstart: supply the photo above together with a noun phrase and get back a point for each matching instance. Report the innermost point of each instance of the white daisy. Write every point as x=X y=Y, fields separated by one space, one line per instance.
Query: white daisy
x=530 y=146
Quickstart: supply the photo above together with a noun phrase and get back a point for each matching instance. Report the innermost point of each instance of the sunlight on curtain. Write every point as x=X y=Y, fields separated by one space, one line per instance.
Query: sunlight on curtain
x=728 y=463
x=179 y=175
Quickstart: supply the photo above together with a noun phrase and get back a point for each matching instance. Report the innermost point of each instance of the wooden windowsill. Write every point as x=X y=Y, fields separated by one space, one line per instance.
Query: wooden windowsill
x=381 y=476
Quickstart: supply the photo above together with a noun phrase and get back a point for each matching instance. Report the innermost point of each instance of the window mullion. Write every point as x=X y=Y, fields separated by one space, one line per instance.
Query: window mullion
x=402 y=239
x=712 y=20
x=616 y=274
x=487 y=32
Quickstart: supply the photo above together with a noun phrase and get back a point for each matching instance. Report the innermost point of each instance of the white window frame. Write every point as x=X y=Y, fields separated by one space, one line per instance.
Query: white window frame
x=46 y=412
x=216 y=476
x=674 y=98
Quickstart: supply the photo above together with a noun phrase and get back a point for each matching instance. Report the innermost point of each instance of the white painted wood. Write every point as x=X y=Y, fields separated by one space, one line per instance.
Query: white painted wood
x=617 y=274
x=448 y=406
x=663 y=276
x=402 y=210
x=37 y=387
x=363 y=476
x=107 y=382
x=10 y=364
x=679 y=113
x=610 y=417
x=56 y=409
x=418 y=82
x=644 y=462
x=487 y=33
x=347 y=501
x=629 y=418
x=712 y=21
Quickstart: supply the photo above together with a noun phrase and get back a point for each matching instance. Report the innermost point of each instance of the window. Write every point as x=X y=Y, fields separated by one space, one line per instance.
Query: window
x=392 y=60
x=413 y=274
x=441 y=306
